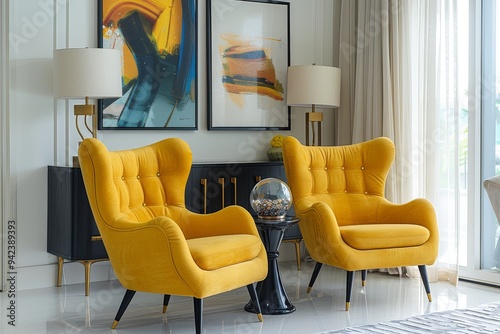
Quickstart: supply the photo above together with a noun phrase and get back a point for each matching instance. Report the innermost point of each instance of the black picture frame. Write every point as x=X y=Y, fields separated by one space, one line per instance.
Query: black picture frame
x=159 y=73
x=248 y=54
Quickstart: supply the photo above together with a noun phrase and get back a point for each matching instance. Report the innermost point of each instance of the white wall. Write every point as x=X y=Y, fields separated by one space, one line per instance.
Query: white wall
x=42 y=130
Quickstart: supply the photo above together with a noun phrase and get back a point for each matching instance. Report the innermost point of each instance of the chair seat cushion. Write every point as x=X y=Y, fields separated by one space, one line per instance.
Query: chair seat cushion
x=211 y=253
x=382 y=236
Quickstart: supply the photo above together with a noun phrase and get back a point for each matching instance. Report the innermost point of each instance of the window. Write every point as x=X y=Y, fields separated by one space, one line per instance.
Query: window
x=490 y=253
x=480 y=237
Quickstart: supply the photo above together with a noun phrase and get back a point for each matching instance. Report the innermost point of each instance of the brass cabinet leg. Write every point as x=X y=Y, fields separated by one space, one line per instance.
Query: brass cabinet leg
x=87 y=264
x=297 y=253
x=297 y=250
x=60 y=263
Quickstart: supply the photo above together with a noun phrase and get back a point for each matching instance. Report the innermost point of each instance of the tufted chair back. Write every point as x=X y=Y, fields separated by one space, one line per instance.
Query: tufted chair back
x=350 y=179
x=142 y=183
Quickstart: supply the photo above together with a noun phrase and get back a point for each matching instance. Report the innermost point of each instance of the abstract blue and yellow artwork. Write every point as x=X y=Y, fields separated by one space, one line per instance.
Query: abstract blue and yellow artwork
x=158 y=44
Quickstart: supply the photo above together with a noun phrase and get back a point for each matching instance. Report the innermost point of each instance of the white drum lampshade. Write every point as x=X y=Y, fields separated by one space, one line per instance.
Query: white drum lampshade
x=311 y=86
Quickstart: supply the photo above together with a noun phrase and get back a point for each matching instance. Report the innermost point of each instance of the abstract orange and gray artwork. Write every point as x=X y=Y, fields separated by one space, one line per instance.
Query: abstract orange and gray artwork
x=248 y=69
x=248 y=60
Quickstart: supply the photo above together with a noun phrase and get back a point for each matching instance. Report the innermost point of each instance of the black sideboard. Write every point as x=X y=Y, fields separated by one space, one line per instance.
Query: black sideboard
x=72 y=233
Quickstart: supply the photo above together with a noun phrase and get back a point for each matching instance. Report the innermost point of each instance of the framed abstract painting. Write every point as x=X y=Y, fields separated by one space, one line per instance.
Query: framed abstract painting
x=158 y=44
x=248 y=57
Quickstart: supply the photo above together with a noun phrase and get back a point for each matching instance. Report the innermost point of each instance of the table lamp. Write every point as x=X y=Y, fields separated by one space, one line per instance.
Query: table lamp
x=311 y=86
x=87 y=73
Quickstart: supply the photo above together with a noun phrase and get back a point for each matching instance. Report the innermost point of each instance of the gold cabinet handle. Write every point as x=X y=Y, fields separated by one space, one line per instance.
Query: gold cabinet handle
x=234 y=181
x=95 y=238
x=204 y=184
x=221 y=182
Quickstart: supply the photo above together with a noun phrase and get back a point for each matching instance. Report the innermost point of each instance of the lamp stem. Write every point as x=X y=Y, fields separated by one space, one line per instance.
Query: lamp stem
x=313 y=127
x=313 y=120
x=87 y=125
x=94 y=119
x=77 y=128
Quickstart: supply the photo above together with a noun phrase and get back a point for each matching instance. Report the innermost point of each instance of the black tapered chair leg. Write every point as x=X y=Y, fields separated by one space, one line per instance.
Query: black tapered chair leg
x=425 y=279
x=255 y=301
x=198 y=314
x=129 y=294
x=314 y=275
x=350 y=282
x=166 y=299
x=363 y=277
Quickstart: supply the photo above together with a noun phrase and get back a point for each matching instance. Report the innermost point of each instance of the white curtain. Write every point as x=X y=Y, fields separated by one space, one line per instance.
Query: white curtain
x=399 y=62
x=440 y=30
x=376 y=82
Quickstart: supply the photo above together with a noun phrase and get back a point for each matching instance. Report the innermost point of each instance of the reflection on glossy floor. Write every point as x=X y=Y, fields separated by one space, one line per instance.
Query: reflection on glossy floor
x=385 y=297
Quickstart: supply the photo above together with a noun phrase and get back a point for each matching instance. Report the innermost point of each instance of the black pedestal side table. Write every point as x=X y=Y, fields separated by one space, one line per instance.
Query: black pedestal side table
x=272 y=296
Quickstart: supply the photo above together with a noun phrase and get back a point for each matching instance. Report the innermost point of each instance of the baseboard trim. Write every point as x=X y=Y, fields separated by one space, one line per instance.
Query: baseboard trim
x=45 y=276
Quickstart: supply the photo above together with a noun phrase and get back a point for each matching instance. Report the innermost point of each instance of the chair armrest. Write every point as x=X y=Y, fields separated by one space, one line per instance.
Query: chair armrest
x=150 y=240
x=232 y=219
x=418 y=211
x=320 y=231
x=157 y=247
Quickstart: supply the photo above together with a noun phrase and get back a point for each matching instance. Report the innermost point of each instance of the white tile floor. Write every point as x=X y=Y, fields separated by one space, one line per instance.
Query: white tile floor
x=385 y=297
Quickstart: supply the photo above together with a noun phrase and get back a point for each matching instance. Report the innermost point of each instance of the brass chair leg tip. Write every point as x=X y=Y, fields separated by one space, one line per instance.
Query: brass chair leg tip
x=115 y=323
x=347 y=305
x=363 y=283
x=429 y=297
x=164 y=309
x=261 y=319
x=308 y=289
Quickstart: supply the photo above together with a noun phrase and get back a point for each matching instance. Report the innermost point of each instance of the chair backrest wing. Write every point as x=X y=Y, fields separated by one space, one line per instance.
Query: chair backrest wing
x=140 y=183
x=328 y=170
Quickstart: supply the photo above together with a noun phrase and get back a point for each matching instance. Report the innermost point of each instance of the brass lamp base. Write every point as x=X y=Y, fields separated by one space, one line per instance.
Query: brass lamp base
x=86 y=110
x=313 y=121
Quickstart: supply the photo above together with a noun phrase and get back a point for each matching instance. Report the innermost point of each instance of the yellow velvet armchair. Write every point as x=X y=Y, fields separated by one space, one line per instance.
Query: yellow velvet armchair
x=153 y=242
x=345 y=220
